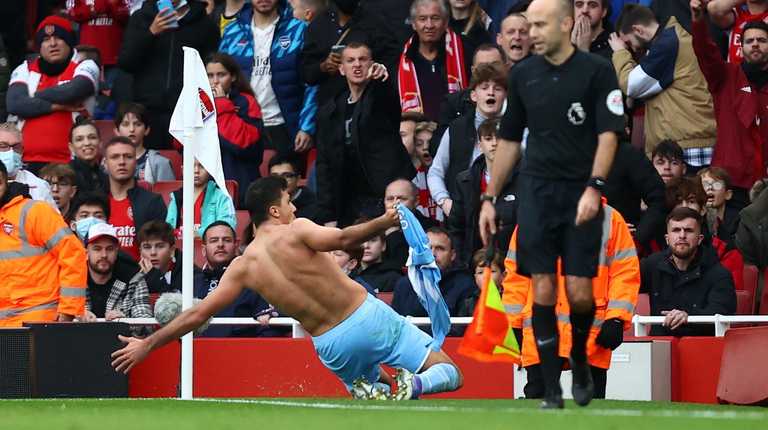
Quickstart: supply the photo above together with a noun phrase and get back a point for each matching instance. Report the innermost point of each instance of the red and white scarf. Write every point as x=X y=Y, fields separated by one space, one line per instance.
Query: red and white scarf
x=408 y=82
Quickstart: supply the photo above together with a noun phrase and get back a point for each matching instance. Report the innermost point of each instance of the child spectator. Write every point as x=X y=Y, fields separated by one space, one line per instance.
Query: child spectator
x=380 y=275
x=131 y=121
x=160 y=260
x=668 y=159
x=211 y=203
x=721 y=219
x=349 y=263
x=62 y=180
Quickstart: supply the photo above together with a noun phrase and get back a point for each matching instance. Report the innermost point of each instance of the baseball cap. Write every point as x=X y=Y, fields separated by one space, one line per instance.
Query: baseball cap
x=100 y=230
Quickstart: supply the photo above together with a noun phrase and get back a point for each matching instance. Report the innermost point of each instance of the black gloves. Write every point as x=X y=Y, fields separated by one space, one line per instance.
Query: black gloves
x=611 y=334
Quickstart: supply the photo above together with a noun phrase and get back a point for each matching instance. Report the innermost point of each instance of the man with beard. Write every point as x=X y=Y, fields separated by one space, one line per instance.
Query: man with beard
x=740 y=94
x=669 y=81
x=734 y=15
x=46 y=93
x=589 y=34
x=686 y=279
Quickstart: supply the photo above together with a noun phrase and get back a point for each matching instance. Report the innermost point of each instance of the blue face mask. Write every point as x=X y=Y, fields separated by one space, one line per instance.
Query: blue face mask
x=12 y=161
x=82 y=226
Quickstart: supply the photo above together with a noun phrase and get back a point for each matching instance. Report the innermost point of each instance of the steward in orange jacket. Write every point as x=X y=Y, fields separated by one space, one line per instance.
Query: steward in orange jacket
x=43 y=267
x=615 y=290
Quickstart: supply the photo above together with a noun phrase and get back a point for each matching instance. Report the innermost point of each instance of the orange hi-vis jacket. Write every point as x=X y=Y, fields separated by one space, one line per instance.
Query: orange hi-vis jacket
x=615 y=290
x=43 y=267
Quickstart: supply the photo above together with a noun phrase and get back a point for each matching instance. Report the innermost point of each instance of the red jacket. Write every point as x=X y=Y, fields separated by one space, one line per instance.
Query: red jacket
x=101 y=25
x=741 y=112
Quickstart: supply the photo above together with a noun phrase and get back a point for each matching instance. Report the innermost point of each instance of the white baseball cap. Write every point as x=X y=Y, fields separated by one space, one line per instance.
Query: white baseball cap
x=100 y=230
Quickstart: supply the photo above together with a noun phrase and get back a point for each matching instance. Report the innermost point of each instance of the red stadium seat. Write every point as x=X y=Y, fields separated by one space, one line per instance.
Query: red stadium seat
x=165 y=188
x=311 y=158
x=744 y=302
x=751 y=279
x=386 y=297
x=175 y=158
x=243 y=219
x=643 y=305
x=264 y=168
x=743 y=374
x=232 y=189
x=106 y=129
x=764 y=296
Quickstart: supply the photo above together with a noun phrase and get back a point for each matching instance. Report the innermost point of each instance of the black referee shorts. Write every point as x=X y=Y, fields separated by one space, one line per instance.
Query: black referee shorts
x=546 y=230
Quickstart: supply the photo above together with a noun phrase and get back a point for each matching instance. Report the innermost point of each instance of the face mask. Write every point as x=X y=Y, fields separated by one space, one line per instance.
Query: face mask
x=347 y=6
x=12 y=161
x=82 y=226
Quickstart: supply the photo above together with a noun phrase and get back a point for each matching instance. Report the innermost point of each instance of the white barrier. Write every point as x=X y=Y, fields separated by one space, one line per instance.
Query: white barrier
x=722 y=322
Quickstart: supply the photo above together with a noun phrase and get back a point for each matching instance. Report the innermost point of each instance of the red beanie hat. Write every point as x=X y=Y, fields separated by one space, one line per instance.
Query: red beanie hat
x=54 y=25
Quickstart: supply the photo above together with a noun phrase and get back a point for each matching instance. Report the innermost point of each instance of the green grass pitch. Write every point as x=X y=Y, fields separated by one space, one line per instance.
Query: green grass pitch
x=310 y=414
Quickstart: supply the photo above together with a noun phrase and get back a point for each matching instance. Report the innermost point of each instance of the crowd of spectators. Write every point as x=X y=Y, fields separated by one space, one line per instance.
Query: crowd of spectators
x=358 y=105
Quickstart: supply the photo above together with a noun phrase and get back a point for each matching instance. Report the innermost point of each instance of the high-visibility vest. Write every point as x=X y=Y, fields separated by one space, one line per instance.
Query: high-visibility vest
x=43 y=266
x=615 y=290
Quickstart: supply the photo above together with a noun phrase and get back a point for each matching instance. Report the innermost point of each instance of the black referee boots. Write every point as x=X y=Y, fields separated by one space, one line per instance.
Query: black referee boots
x=582 y=388
x=552 y=401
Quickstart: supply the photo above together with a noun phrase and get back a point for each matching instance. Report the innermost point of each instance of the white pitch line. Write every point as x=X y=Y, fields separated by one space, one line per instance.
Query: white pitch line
x=717 y=415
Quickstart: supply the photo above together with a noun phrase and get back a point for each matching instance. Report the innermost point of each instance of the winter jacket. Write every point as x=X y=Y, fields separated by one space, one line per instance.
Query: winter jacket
x=157 y=168
x=297 y=101
x=240 y=127
x=678 y=105
x=306 y=203
x=158 y=284
x=101 y=25
x=752 y=234
x=705 y=288
x=157 y=62
x=463 y=222
x=88 y=177
x=324 y=32
x=741 y=111
x=382 y=277
x=375 y=136
x=217 y=206
x=206 y=280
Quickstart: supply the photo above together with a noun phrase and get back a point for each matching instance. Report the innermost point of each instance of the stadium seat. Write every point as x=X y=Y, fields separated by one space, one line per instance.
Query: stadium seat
x=751 y=279
x=243 y=219
x=106 y=129
x=165 y=188
x=743 y=373
x=643 y=305
x=233 y=189
x=764 y=296
x=744 y=302
x=175 y=158
x=264 y=168
x=199 y=260
x=386 y=297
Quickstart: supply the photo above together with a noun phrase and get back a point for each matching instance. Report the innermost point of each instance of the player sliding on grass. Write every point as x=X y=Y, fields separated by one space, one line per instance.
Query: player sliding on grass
x=289 y=264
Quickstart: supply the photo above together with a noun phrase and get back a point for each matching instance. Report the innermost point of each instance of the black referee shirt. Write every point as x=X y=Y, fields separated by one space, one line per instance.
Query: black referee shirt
x=565 y=107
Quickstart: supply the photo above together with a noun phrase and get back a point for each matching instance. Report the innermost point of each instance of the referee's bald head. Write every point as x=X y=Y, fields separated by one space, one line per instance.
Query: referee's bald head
x=551 y=25
x=560 y=8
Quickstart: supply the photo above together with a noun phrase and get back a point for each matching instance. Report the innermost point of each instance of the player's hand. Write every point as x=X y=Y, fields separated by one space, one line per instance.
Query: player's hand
x=130 y=355
x=487 y=221
x=331 y=64
x=163 y=21
x=589 y=205
x=616 y=43
x=581 y=36
x=391 y=217
x=674 y=318
x=302 y=142
x=378 y=72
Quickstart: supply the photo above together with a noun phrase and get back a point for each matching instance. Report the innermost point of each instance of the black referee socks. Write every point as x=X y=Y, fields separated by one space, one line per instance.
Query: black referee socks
x=580 y=326
x=547 y=341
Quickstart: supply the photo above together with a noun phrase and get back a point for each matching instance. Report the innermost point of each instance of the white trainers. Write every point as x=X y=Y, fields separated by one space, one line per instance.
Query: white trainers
x=363 y=390
x=405 y=385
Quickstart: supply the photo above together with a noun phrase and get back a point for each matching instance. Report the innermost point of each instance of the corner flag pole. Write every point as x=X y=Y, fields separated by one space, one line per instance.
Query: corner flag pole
x=187 y=260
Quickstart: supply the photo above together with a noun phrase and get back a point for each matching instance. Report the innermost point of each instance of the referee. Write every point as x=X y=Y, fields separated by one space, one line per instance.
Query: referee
x=572 y=106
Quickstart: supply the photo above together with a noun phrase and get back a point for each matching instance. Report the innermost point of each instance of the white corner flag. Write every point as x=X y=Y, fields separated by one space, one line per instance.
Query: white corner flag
x=193 y=122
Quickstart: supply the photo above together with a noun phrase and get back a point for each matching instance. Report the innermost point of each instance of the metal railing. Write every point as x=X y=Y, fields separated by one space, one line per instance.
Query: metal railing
x=722 y=322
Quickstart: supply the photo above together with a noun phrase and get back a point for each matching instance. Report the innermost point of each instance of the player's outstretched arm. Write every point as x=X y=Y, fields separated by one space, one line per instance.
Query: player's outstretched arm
x=136 y=350
x=323 y=239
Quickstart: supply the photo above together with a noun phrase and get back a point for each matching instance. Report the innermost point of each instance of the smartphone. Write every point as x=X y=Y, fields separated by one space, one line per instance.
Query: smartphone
x=167 y=5
x=336 y=49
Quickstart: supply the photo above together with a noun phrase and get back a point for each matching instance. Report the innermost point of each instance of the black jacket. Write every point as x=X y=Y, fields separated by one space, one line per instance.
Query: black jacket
x=382 y=277
x=246 y=305
x=453 y=106
x=632 y=179
x=375 y=136
x=476 y=36
x=463 y=222
x=462 y=136
x=456 y=285
x=706 y=288
x=88 y=177
x=600 y=45
x=306 y=203
x=752 y=233
x=157 y=62
x=397 y=247
x=146 y=205
x=324 y=31
x=396 y=15
x=156 y=279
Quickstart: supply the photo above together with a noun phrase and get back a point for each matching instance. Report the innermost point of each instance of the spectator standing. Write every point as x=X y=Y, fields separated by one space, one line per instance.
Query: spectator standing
x=432 y=63
x=61 y=179
x=115 y=290
x=589 y=33
x=131 y=121
x=152 y=53
x=211 y=204
x=238 y=117
x=734 y=15
x=740 y=95
x=514 y=37
x=42 y=265
x=84 y=143
x=752 y=233
x=160 y=260
x=500 y=9
x=11 y=154
x=307 y=10
x=266 y=41
x=463 y=222
x=46 y=93
x=686 y=279
x=360 y=150
x=343 y=23
x=678 y=105
x=226 y=13
x=102 y=23
x=130 y=206
x=470 y=21
x=302 y=197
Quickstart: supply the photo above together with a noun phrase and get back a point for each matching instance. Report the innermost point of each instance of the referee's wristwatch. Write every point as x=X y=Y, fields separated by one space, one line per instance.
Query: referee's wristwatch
x=597 y=183
x=488 y=198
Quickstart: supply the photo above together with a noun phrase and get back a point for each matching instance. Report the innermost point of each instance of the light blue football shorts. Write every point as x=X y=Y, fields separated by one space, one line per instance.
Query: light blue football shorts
x=373 y=334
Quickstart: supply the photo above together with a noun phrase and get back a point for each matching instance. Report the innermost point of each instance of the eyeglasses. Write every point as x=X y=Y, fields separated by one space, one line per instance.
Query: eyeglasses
x=4 y=146
x=285 y=175
x=713 y=185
